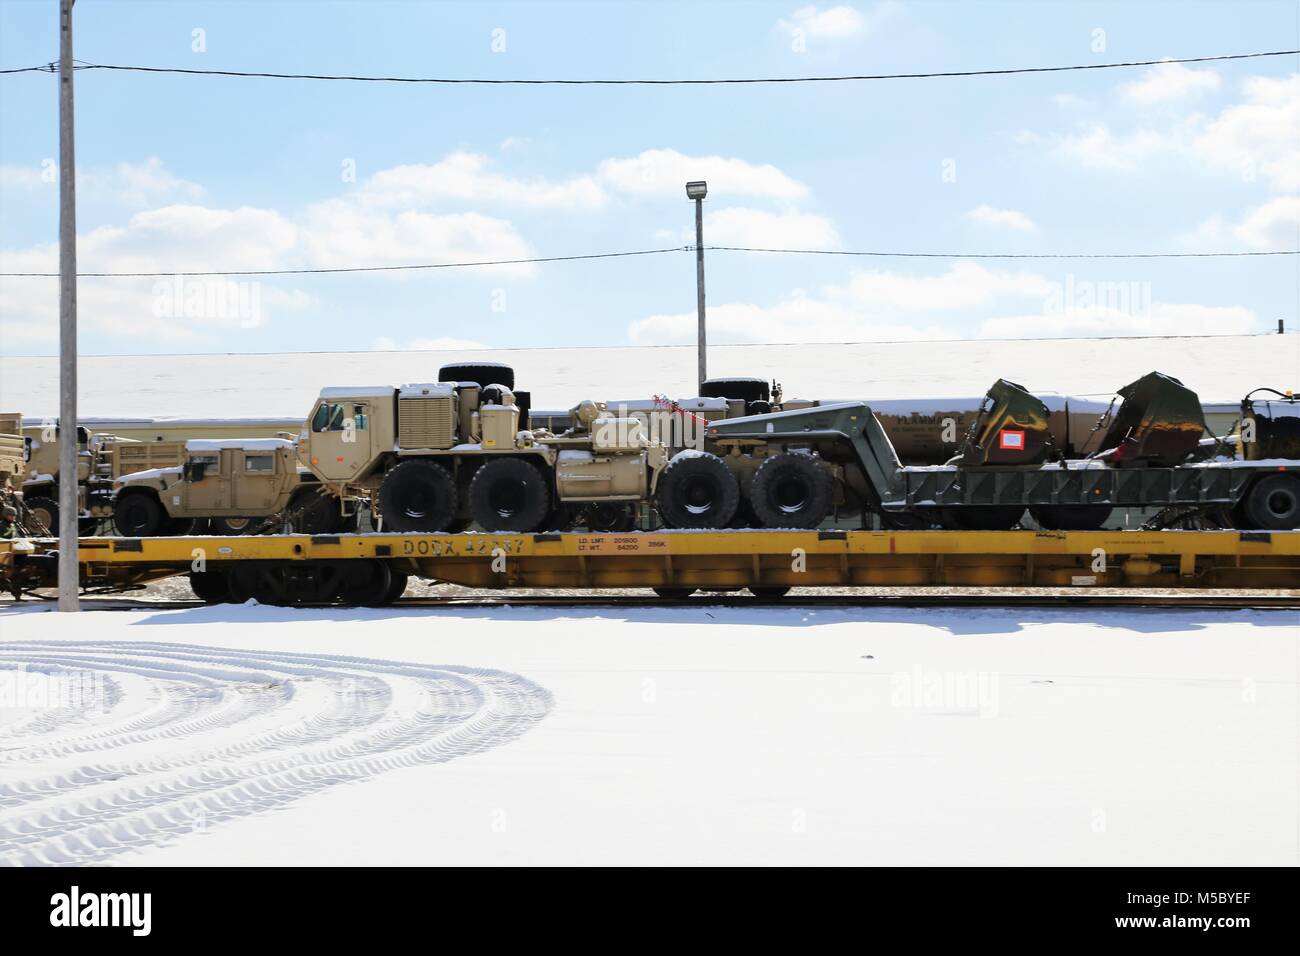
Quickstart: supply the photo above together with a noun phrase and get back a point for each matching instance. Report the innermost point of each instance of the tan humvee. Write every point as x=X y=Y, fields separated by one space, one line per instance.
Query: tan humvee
x=439 y=456
x=238 y=486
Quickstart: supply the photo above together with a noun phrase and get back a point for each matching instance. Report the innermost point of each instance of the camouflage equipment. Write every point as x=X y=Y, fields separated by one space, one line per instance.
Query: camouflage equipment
x=1160 y=423
x=1012 y=429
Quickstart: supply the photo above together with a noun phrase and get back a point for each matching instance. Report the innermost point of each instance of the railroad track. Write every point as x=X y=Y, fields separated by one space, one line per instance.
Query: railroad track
x=1022 y=600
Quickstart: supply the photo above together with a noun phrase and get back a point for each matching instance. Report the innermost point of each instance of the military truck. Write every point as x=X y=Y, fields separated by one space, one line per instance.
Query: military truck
x=13 y=459
x=443 y=455
x=234 y=486
x=94 y=478
x=795 y=468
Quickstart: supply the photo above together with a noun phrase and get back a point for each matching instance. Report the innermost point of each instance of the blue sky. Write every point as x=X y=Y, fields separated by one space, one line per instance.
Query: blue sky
x=196 y=172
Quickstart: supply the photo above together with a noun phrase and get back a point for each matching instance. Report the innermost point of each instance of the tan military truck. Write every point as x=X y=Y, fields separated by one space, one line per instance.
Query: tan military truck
x=235 y=486
x=440 y=456
x=13 y=458
x=94 y=480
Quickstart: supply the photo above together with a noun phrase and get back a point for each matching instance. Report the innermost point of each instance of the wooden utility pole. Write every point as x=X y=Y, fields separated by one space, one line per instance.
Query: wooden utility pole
x=67 y=433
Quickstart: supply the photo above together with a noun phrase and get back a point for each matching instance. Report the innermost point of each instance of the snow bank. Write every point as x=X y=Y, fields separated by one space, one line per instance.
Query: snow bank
x=697 y=735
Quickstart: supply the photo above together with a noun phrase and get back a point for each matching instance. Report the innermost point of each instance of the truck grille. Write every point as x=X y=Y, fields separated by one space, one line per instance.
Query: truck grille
x=425 y=423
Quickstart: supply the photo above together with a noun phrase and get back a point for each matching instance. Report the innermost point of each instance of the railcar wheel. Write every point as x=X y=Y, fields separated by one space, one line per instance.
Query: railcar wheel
x=790 y=491
x=509 y=494
x=417 y=495
x=211 y=587
x=697 y=490
x=365 y=584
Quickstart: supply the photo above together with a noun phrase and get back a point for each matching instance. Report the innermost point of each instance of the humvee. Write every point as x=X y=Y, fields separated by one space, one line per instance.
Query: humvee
x=237 y=486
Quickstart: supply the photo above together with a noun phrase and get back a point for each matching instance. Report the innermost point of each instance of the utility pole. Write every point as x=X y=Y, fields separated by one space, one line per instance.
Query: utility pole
x=697 y=191
x=67 y=433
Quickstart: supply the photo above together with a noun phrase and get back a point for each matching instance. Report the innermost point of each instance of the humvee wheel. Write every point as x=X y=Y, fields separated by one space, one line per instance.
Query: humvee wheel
x=697 y=491
x=674 y=594
x=365 y=584
x=417 y=495
x=790 y=491
x=232 y=525
x=1071 y=517
x=313 y=512
x=44 y=511
x=138 y=515
x=211 y=587
x=1273 y=503
x=509 y=494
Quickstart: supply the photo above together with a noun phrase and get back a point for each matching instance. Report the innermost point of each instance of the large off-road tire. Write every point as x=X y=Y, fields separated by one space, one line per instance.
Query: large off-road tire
x=1071 y=517
x=746 y=389
x=790 y=491
x=697 y=490
x=417 y=495
x=509 y=494
x=1273 y=503
x=981 y=517
x=211 y=587
x=139 y=515
x=234 y=526
x=485 y=373
x=43 y=512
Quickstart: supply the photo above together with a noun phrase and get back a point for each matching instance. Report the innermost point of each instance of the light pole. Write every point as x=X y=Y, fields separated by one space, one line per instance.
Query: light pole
x=67 y=432
x=697 y=191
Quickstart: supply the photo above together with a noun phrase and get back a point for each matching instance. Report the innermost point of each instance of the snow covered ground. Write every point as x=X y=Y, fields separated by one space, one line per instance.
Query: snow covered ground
x=689 y=735
x=1218 y=368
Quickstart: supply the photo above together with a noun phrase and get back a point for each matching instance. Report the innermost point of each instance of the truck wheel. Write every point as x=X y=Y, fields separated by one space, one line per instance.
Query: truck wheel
x=138 y=516
x=417 y=495
x=1071 y=517
x=746 y=389
x=790 y=491
x=509 y=494
x=697 y=490
x=485 y=373
x=233 y=525
x=211 y=587
x=1273 y=503
x=44 y=511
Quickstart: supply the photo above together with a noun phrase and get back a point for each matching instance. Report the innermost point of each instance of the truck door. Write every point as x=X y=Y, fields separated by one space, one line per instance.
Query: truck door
x=212 y=492
x=257 y=481
x=340 y=438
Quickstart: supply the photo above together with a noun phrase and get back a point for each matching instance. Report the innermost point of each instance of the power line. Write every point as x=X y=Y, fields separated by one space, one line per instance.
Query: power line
x=298 y=272
x=667 y=82
x=1009 y=255
x=653 y=252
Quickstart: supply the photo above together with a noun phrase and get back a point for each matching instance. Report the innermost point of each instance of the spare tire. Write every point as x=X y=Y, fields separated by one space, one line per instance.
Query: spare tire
x=746 y=389
x=509 y=494
x=697 y=490
x=485 y=373
x=791 y=491
x=417 y=495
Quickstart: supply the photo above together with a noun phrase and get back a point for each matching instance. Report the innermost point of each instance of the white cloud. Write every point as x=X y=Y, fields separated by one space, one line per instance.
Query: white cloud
x=1272 y=225
x=1259 y=135
x=965 y=285
x=469 y=177
x=130 y=183
x=443 y=344
x=1098 y=148
x=1008 y=218
x=838 y=22
x=1171 y=81
x=665 y=172
x=741 y=226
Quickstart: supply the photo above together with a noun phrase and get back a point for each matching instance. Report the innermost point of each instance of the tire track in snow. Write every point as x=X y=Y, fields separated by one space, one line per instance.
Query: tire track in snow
x=183 y=737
